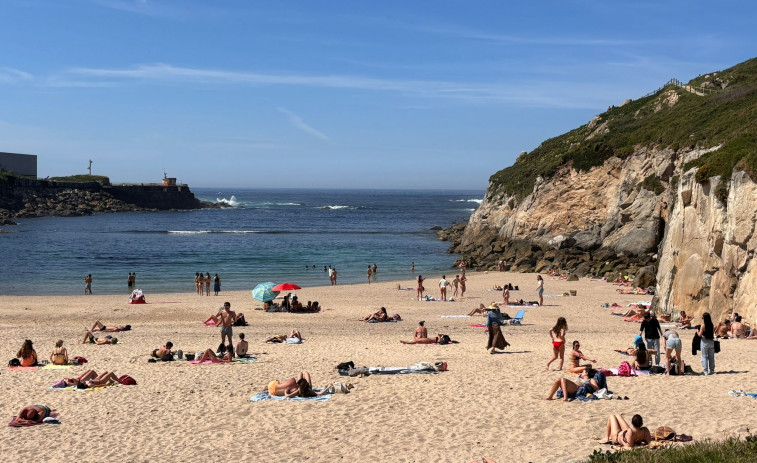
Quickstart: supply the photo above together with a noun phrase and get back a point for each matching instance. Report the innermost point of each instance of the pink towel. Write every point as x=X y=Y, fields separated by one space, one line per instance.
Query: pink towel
x=478 y=325
x=23 y=368
x=209 y=323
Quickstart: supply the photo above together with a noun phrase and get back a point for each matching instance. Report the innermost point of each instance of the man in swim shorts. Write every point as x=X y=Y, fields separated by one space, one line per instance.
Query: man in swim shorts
x=226 y=318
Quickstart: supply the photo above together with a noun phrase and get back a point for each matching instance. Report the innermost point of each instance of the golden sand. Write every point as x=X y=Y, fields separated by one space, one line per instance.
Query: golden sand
x=484 y=405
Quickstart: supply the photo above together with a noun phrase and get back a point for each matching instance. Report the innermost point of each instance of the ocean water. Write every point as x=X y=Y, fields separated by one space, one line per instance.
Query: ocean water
x=267 y=235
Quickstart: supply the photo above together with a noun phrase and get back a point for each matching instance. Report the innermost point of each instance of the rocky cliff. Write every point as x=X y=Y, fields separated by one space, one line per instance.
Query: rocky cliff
x=660 y=189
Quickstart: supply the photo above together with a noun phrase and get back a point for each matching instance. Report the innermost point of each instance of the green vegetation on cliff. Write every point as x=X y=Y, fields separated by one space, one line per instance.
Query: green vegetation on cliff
x=672 y=118
x=83 y=178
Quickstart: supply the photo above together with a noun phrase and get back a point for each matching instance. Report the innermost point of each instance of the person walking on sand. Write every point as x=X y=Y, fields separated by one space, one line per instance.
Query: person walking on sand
x=652 y=332
x=456 y=284
x=226 y=317
x=216 y=284
x=540 y=289
x=88 y=284
x=333 y=276
x=707 y=344
x=369 y=274
x=463 y=279
x=443 y=283
x=557 y=333
x=420 y=287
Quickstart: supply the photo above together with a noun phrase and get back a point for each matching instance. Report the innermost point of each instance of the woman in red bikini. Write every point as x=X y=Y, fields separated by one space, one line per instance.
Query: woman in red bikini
x=557 y=333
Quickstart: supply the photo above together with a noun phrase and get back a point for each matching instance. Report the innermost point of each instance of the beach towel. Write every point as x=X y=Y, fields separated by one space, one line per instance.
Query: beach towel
x=622 y=352
x=74 y=388
x=209 y=323
x=478 y=325
x=56 y=367
x=52 y=419
x=23 y=368
x=420 y=367
x=455 y=316
x=261 y=396
x=583 y=398
x=740 y=392
x=512 y=306
x=638 y=372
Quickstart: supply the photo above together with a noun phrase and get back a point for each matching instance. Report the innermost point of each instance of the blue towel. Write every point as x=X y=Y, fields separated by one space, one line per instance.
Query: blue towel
x=261 y=396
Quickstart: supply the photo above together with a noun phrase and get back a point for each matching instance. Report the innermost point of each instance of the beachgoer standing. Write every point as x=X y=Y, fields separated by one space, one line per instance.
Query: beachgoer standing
x=707 y=332
x=557 y=333
x=369 y=274
x=652 y=332
x=500 y=265
x=333 y=276
x=226 y=318
x=217 y=284
x=128 y=281
x=375 y=267
x=496 y=338
x=443 y=283
x=463 y=279
x=506 y=294
x=412 y=267
x=456 y=283
x=540 y=290
x=207 y=283
x=419 y=287
x=197 y=282
x=134 y=280
x=88 y=284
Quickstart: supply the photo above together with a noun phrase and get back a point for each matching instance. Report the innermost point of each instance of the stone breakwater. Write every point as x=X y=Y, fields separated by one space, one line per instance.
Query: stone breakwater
x=25 y=198
x=642 y=216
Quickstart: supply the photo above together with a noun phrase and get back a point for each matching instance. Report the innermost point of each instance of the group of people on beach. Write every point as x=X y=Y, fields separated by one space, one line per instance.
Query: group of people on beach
x=202 y=284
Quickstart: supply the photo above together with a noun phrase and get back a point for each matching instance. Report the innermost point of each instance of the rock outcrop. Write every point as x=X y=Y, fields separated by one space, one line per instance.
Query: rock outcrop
x=674 y=210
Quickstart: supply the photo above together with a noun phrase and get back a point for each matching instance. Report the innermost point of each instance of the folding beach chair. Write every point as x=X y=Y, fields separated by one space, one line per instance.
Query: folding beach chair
x=518 y=317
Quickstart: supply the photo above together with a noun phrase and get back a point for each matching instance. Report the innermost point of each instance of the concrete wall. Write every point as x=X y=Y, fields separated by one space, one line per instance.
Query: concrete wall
x=19 y=164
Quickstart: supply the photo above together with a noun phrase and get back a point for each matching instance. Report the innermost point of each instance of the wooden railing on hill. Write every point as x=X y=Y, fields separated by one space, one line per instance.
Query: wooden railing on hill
x=700 y=91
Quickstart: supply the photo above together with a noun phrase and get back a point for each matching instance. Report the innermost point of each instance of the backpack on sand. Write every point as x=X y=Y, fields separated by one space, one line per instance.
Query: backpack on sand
x=624 y=369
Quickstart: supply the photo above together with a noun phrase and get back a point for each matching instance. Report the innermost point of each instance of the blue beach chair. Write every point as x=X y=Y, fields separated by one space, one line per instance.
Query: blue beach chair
x=518 y=318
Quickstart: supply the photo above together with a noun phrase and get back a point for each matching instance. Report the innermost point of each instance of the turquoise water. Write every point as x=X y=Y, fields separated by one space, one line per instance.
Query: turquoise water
x=268 y=235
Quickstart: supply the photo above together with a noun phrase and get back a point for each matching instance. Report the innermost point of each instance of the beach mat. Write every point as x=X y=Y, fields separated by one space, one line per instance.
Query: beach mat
x=23 y=368
x=236 y=360
x=13 y=423
x=455 y=316
x=261 y=396
x=478 y=325
x=56 y=367
x=622 y=352
x=638 y=372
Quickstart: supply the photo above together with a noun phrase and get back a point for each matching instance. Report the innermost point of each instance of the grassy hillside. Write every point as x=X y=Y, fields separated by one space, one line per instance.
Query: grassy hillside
x=83 y=178
x=728 y=117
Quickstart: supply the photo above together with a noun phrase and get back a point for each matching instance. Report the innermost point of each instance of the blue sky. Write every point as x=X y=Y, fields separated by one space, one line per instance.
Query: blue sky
x=389 y=94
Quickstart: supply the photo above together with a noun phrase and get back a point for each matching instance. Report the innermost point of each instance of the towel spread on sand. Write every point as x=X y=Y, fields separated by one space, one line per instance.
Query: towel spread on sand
x=53 y=415
x=209 y=323
x=74 y=388
x=261 y=396
x=22 y=368
x=236 y=360
x=56 y=367
x=622 y=352
x=455 y=316
x=478 y=325
x=638 y=372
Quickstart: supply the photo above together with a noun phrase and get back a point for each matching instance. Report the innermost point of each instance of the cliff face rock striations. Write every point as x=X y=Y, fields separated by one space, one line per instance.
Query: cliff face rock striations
x=659 y=189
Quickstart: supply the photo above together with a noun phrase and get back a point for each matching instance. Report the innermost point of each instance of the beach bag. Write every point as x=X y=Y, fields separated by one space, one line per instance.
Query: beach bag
x=717 y=347
x=664 y=433
x=14 y=362
x=79 y=360
x=345 y=365
x=624 y=369
x=127 y=380
x=397 y=317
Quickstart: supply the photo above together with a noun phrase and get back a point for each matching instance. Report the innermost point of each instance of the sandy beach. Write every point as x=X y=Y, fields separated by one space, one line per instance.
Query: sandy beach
x=484 y=405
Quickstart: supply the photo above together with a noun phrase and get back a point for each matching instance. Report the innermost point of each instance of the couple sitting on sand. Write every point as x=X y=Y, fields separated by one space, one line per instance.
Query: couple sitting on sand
x=421 y=336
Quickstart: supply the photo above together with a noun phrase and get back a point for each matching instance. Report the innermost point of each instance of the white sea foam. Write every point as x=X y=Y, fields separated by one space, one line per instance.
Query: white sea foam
x=204 y=232
x=467 y=200
x=231 y=201
x=337 y=207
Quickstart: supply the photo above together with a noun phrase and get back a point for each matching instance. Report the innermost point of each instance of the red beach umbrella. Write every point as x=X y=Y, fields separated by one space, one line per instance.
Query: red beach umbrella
x=285 y=287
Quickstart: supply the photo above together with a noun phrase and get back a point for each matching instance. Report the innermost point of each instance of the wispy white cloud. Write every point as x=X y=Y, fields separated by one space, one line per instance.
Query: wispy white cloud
x=11 y=75
x=534 y=92
x=300 y=124
x=178 y=10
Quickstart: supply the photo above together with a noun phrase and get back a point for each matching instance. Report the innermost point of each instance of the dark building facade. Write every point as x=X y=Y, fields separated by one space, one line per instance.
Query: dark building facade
x=19 y=164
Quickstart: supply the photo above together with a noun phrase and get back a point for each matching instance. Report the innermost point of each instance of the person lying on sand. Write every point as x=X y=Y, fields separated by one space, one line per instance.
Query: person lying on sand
x=294 y=335
x=223 y=355
x=570 y=388
x=631 y=313
x=379 y=316
x=636 y=290
x=575 y=356
x=89 y=379
x=311 y=307
x=299 y=386
x=438 y=339
x=98 y=326
x=618 y=432
x=481 y=310
x=90 y=338
x=32 y=414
